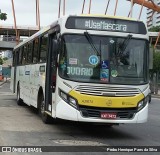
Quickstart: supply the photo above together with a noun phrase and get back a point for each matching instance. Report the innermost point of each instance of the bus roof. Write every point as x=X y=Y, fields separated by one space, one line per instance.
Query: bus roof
x=109 y=16
x=42 y=31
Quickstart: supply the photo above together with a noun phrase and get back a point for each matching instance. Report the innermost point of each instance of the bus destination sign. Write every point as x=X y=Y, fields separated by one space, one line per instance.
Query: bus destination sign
x=103 y=25
x=106 y=24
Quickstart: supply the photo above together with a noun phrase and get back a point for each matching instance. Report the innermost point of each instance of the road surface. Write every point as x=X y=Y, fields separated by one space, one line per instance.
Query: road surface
x=21 y=126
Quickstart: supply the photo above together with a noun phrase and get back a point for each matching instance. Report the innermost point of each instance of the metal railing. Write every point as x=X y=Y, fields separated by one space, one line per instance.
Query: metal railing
x=11 y=38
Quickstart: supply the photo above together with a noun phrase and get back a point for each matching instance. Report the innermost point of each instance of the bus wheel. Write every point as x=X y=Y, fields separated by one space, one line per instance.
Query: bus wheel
x=45 y=118
x=19 y=100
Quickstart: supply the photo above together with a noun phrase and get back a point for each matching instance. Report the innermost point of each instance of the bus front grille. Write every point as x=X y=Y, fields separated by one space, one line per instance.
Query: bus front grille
x=107 y=91
x=125 y=113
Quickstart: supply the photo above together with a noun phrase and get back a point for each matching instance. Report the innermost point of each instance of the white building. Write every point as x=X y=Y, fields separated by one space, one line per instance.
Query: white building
x=6 y=54
x=155 y=21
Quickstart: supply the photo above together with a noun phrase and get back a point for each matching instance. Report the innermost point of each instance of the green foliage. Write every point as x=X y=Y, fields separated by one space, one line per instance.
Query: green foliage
x=155 y=29
x=1 y=61
x=4 y=59
x=3 y=16
x=156 y=62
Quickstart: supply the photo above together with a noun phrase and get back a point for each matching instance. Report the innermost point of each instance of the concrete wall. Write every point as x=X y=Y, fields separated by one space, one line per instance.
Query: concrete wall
x=7 y=45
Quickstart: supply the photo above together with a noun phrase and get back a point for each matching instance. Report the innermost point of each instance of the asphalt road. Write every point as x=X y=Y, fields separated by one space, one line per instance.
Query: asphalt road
x=21 y=126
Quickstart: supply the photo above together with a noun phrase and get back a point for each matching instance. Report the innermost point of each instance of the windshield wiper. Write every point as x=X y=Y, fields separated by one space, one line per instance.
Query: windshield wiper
x=124 y=45
x=88 y=37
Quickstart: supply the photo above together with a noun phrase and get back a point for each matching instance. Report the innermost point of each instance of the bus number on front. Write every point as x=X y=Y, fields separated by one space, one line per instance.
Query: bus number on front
x=87 y=101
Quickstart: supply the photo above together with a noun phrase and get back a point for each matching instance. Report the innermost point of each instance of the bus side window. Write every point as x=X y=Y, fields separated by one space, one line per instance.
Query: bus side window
x=17 y=57
x=20 y=56
x=24 y=61
x=43 y=48
x=30 y=49
x=35 y=50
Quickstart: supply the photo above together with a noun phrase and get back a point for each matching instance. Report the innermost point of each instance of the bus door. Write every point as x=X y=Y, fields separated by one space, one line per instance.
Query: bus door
x=51 y=69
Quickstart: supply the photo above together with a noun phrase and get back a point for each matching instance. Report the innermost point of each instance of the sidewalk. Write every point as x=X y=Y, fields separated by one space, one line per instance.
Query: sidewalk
x=3 y=81
x=156 y=95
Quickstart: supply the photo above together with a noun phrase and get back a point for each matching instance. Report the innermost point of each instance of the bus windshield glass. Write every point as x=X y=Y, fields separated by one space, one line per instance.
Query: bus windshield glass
x=119 y=60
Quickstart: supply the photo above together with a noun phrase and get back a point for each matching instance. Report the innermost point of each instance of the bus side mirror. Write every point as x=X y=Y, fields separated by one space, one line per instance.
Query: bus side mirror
x=151 y=58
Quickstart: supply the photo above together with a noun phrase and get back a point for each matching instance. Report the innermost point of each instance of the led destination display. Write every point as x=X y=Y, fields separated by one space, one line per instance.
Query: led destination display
x=106 y=24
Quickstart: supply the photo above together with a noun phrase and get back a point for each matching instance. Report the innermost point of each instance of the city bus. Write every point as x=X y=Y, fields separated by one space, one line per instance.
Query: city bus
x=85 y=68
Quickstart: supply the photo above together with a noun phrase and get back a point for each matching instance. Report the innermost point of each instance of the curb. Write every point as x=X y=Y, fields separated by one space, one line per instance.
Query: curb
x=3 y=83
x=155 y=96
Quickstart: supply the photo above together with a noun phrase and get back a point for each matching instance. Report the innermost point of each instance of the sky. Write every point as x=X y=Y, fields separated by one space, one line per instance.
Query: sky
x=25 y=10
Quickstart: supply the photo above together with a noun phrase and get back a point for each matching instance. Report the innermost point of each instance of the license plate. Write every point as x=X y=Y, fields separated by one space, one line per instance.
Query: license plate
x=108 y=115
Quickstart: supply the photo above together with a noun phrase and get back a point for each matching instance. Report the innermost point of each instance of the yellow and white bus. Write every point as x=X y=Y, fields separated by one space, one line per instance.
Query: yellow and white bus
x=86 y=68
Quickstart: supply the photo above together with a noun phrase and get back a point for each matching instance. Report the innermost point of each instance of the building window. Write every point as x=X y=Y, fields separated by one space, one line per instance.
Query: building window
x=149 y=12
x=149 y=24
x=149 y=17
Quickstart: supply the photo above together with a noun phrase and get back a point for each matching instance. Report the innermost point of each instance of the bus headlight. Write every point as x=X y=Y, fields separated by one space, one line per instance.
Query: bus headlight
x=142 y=103
x=67 y=98
x=63 y=95
x=72 y=102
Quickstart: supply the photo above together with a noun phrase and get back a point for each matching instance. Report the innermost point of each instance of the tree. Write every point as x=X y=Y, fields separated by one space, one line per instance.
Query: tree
x=3 y=16
x=4 y=59
x=1 y=61
x=155 y=71
x=154 y=29
x=156 y=62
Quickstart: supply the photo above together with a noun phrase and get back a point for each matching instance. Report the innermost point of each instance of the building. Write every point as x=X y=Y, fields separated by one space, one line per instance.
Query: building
x=155 y=21
x=6 y=54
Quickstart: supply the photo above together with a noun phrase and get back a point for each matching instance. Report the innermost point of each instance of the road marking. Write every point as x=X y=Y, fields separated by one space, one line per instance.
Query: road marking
x=6 y=93
x=78 y=143
x=155 y=98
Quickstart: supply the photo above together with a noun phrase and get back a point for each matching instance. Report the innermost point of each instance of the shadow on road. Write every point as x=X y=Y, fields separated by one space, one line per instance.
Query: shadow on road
x=86 y=130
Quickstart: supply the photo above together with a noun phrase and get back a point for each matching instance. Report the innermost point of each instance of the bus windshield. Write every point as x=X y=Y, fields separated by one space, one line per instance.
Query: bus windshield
x=119 y=60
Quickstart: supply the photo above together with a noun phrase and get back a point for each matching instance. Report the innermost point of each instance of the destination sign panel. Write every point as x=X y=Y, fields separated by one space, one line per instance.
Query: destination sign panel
x=106 y=24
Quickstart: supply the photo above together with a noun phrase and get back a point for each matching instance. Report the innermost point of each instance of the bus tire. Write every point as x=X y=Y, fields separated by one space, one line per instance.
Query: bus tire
x=19 y=100
x=45 y=118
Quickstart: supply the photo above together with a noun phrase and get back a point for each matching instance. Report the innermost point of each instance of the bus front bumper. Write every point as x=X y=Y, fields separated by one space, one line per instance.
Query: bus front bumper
x=67 y=112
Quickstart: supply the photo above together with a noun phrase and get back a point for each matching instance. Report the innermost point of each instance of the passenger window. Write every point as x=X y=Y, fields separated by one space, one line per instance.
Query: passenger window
x=43 y=48
x=20 y=56
x=24 y=61
x=36 y=51
x=30 y=47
